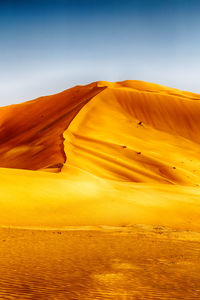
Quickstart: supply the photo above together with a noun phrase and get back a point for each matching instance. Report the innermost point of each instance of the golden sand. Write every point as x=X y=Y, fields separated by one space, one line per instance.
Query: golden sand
x=103 y=154
x=139 y=262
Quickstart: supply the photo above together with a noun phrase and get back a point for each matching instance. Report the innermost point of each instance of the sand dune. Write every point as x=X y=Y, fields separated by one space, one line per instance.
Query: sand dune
x=116 y=154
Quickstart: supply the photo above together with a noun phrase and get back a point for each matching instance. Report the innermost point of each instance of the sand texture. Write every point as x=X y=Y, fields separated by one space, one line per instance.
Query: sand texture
x=113 y=154
x=151 y=263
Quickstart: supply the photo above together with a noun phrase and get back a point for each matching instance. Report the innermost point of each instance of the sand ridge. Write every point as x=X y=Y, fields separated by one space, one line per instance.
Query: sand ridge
x=116 y=154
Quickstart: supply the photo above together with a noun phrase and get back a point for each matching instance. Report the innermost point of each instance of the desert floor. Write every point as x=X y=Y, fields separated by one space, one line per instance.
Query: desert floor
x=135 y=262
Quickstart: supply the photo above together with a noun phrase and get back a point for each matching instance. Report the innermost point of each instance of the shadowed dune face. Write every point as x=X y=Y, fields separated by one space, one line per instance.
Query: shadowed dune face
x=128 y=153
x=31 y=133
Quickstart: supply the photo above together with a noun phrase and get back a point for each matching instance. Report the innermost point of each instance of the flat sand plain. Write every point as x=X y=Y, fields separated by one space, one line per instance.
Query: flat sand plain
x=87 y=263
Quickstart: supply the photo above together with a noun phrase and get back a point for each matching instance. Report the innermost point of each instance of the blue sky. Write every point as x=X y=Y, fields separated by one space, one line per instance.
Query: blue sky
x=47 y=46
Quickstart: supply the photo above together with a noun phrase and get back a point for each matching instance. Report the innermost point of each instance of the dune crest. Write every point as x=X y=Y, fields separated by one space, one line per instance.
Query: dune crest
x=124 y=153
x=31 y=133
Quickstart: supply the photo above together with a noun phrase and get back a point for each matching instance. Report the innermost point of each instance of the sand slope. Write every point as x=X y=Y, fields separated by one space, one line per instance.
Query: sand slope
x=31 y=132
x=128 y=153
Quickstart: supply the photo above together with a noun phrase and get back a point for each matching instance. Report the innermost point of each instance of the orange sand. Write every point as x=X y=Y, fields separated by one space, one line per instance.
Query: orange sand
x=128 y=153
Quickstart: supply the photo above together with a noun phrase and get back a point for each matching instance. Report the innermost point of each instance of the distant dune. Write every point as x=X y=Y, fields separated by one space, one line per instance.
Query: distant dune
x=115 y=154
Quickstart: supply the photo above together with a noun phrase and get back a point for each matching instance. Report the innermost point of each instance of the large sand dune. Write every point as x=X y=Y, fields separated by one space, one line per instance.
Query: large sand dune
x=102 y=154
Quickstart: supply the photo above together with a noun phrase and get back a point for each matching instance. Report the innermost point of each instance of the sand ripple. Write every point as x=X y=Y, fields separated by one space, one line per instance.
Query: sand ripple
x=87 y=265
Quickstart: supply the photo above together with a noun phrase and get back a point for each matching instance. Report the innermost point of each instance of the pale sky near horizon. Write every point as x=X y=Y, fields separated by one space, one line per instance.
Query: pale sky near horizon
x=48 y=46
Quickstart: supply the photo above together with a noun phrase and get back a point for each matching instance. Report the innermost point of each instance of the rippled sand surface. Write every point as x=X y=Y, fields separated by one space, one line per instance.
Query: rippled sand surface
x=123 y=263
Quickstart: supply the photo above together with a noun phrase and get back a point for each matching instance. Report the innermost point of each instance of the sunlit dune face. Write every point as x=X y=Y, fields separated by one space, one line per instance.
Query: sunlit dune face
x=108 y=153
x=136 y=135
